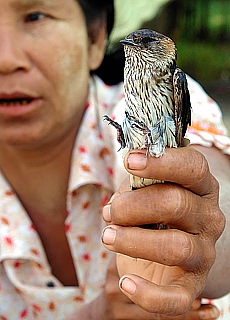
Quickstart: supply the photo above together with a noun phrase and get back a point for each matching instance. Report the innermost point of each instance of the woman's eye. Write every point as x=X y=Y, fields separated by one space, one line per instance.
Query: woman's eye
x=35 y=16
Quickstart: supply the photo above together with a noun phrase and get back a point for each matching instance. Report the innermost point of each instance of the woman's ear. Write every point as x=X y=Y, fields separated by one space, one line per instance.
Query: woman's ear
x=97 y=44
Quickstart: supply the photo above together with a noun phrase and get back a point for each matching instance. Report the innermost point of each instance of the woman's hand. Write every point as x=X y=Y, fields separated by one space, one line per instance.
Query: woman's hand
x=119 y=307
x=188 y=203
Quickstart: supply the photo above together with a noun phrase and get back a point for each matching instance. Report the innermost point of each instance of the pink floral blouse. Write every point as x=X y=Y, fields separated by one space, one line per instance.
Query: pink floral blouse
x=28 y=289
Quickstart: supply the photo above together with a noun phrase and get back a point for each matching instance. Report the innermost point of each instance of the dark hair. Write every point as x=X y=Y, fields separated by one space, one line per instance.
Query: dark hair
x=111 y=69
x=94 y=9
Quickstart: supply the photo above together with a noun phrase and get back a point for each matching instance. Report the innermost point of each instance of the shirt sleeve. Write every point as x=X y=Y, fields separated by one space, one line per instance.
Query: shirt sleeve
x=207 y=127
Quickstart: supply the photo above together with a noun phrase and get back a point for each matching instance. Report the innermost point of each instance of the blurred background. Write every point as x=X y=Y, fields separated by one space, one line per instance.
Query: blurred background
x=201 y=31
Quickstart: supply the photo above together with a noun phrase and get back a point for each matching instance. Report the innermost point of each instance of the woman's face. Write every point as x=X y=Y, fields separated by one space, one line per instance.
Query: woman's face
x=45 y=60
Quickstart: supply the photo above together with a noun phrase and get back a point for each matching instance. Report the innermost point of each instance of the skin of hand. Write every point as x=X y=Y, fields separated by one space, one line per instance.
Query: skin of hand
x=220 y=167
x=119 y=307
x=188 y=204
x=112 y=304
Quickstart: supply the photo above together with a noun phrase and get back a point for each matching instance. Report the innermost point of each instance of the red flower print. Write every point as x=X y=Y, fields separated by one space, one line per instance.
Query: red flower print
x=17 y=264
x=24 y=314
x=34 y=251
x=18 y=291
x=110 y=171
x=85 y=168
x=86 y=205
x=9 y=241
x=78 y=299
x=9 y=193
x=82 y=149
x=100 y=136
x=67 y=227
x=104 y=255
x=36 y=308
x=74 y=193
x=104 y=152
x=5 y=221
x=82 y=239
x=51 y=306
x=86 y=257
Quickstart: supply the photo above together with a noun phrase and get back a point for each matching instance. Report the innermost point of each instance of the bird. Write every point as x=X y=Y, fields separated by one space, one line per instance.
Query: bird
x=157 y=100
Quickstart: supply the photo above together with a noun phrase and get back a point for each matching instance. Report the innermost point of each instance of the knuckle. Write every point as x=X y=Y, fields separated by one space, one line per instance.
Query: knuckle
x=199 y=258
x=203 y=169
x=207 y=259
x=213 y=189
x=221 y=223
x=181 y=205
x=181 y=248
x=215 y=221
x=214 y=218
x=210 y=257
x=188 y=250
x=215 y=185
x=218 y=224
x=120 y=208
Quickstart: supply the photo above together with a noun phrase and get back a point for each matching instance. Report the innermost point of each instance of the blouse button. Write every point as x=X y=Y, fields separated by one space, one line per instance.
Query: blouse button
x=50 y=284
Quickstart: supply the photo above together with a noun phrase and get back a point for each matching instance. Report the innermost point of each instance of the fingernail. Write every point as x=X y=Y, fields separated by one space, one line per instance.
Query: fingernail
x=106 y=213
x=137 y=161
x=109 y=236
x=128 y=285
x=214 y=313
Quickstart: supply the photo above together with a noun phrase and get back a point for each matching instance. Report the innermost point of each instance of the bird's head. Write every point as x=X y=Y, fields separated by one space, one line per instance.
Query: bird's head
x=150 y=46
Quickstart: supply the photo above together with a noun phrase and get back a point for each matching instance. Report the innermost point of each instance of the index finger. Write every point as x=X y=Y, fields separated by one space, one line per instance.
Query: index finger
x=184 y=166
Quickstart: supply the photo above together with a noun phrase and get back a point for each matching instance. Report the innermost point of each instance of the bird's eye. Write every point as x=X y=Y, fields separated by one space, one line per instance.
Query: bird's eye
x=147 y=40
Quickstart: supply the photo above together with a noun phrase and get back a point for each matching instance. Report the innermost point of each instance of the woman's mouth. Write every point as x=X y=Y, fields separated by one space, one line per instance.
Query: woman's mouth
x=15 y=102
x=18 y=104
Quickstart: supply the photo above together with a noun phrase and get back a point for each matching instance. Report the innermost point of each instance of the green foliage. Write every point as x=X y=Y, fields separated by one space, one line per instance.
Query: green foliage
x=204 y=61
x=203 y=19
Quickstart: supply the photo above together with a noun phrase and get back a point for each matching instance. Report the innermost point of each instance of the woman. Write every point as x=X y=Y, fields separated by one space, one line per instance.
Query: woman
x=59 y=167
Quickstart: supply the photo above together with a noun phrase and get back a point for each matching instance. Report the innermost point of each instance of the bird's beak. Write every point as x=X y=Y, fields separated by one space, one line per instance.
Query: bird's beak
x=129 y=42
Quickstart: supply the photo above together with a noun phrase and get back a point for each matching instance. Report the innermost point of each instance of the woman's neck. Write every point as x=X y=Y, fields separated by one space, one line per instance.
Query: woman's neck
x=39 y=176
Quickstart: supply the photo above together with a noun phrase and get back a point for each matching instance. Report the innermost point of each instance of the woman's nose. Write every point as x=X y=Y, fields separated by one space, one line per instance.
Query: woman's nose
x=13 y=56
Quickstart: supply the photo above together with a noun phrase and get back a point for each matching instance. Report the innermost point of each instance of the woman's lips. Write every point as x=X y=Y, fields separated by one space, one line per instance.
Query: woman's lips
x=18 y=104
x=15 y=102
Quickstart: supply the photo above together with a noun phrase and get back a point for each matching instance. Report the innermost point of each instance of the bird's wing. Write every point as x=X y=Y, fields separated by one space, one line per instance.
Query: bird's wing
x=182 y=103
